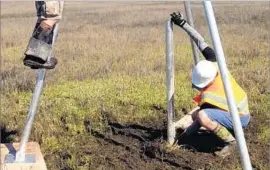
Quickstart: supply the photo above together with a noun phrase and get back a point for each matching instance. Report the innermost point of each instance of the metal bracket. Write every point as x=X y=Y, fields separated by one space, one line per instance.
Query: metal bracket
x=20 y=156
x=28 y=158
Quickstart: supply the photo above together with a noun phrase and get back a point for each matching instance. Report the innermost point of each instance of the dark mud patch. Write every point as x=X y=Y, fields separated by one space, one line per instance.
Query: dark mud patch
x=137 y=146
x=202 y=141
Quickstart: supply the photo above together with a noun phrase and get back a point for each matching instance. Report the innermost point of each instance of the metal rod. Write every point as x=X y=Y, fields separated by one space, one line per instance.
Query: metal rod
x=195 y=51
x=170 y=82
x=20 y=155
x=245 y=160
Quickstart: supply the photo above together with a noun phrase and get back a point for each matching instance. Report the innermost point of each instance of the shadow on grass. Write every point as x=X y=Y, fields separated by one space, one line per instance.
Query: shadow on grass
x=201 y=141
x=7 y=135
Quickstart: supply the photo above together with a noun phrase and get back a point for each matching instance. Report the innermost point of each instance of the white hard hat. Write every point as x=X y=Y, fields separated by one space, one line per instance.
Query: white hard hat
x=203 y=73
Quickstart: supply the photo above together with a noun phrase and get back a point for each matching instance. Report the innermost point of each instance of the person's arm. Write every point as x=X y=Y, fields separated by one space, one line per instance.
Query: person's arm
x=205 y=49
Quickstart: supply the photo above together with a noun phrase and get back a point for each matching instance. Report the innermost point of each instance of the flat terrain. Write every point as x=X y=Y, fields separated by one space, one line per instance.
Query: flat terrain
x=104 y=106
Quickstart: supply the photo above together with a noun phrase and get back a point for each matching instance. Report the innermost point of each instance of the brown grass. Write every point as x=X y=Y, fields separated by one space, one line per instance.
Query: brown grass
x=112 y=56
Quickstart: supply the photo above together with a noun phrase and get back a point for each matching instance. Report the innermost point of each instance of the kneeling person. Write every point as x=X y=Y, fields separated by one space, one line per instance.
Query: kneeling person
x=212 y=112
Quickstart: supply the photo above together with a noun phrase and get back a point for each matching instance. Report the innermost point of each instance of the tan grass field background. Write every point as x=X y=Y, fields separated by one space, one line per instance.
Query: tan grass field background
x=112 y=59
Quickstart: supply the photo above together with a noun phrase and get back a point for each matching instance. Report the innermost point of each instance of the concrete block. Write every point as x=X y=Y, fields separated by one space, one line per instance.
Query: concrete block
x=32 y=149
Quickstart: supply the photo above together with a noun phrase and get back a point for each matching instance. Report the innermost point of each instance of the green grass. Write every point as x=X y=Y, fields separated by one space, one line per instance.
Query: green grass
x=117 y=67
x=127 y=99
x=265 y=134
x=63 y=109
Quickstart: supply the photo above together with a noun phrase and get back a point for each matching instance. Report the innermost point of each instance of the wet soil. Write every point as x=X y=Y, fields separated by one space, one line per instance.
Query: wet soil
x=139 y=146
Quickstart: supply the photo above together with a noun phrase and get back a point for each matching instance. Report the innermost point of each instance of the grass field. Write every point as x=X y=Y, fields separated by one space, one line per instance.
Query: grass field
x=106 y=100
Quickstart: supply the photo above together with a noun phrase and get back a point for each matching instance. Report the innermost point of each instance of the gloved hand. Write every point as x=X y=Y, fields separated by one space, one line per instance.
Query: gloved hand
x=178 y=19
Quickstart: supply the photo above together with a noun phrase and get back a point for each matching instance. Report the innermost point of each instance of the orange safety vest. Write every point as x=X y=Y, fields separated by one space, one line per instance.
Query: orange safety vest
x=215 y=95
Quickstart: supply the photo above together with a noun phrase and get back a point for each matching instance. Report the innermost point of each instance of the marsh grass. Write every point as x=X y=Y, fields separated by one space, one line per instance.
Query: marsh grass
x=112 y=59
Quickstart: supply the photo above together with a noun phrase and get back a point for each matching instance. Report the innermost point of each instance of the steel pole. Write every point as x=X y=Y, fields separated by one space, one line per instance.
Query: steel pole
x=245 y=160
x=195 y=51
x=170 y=82
x=20 y=155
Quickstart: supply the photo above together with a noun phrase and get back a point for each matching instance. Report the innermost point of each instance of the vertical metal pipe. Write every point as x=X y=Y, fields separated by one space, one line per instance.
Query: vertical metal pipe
x=170 y=82
x=246 y=164
x=195 y=51
x=20 y=155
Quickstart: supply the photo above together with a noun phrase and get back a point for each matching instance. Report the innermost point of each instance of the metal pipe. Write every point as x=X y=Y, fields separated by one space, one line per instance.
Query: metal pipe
x=20 y=155
x=245 y=160
x=170 y=82
x=195 y=51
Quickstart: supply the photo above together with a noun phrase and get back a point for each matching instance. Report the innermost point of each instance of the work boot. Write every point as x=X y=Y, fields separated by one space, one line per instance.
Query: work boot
x=36 y=63
x=227 y=150
x=230 y=144
x=40 y=48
